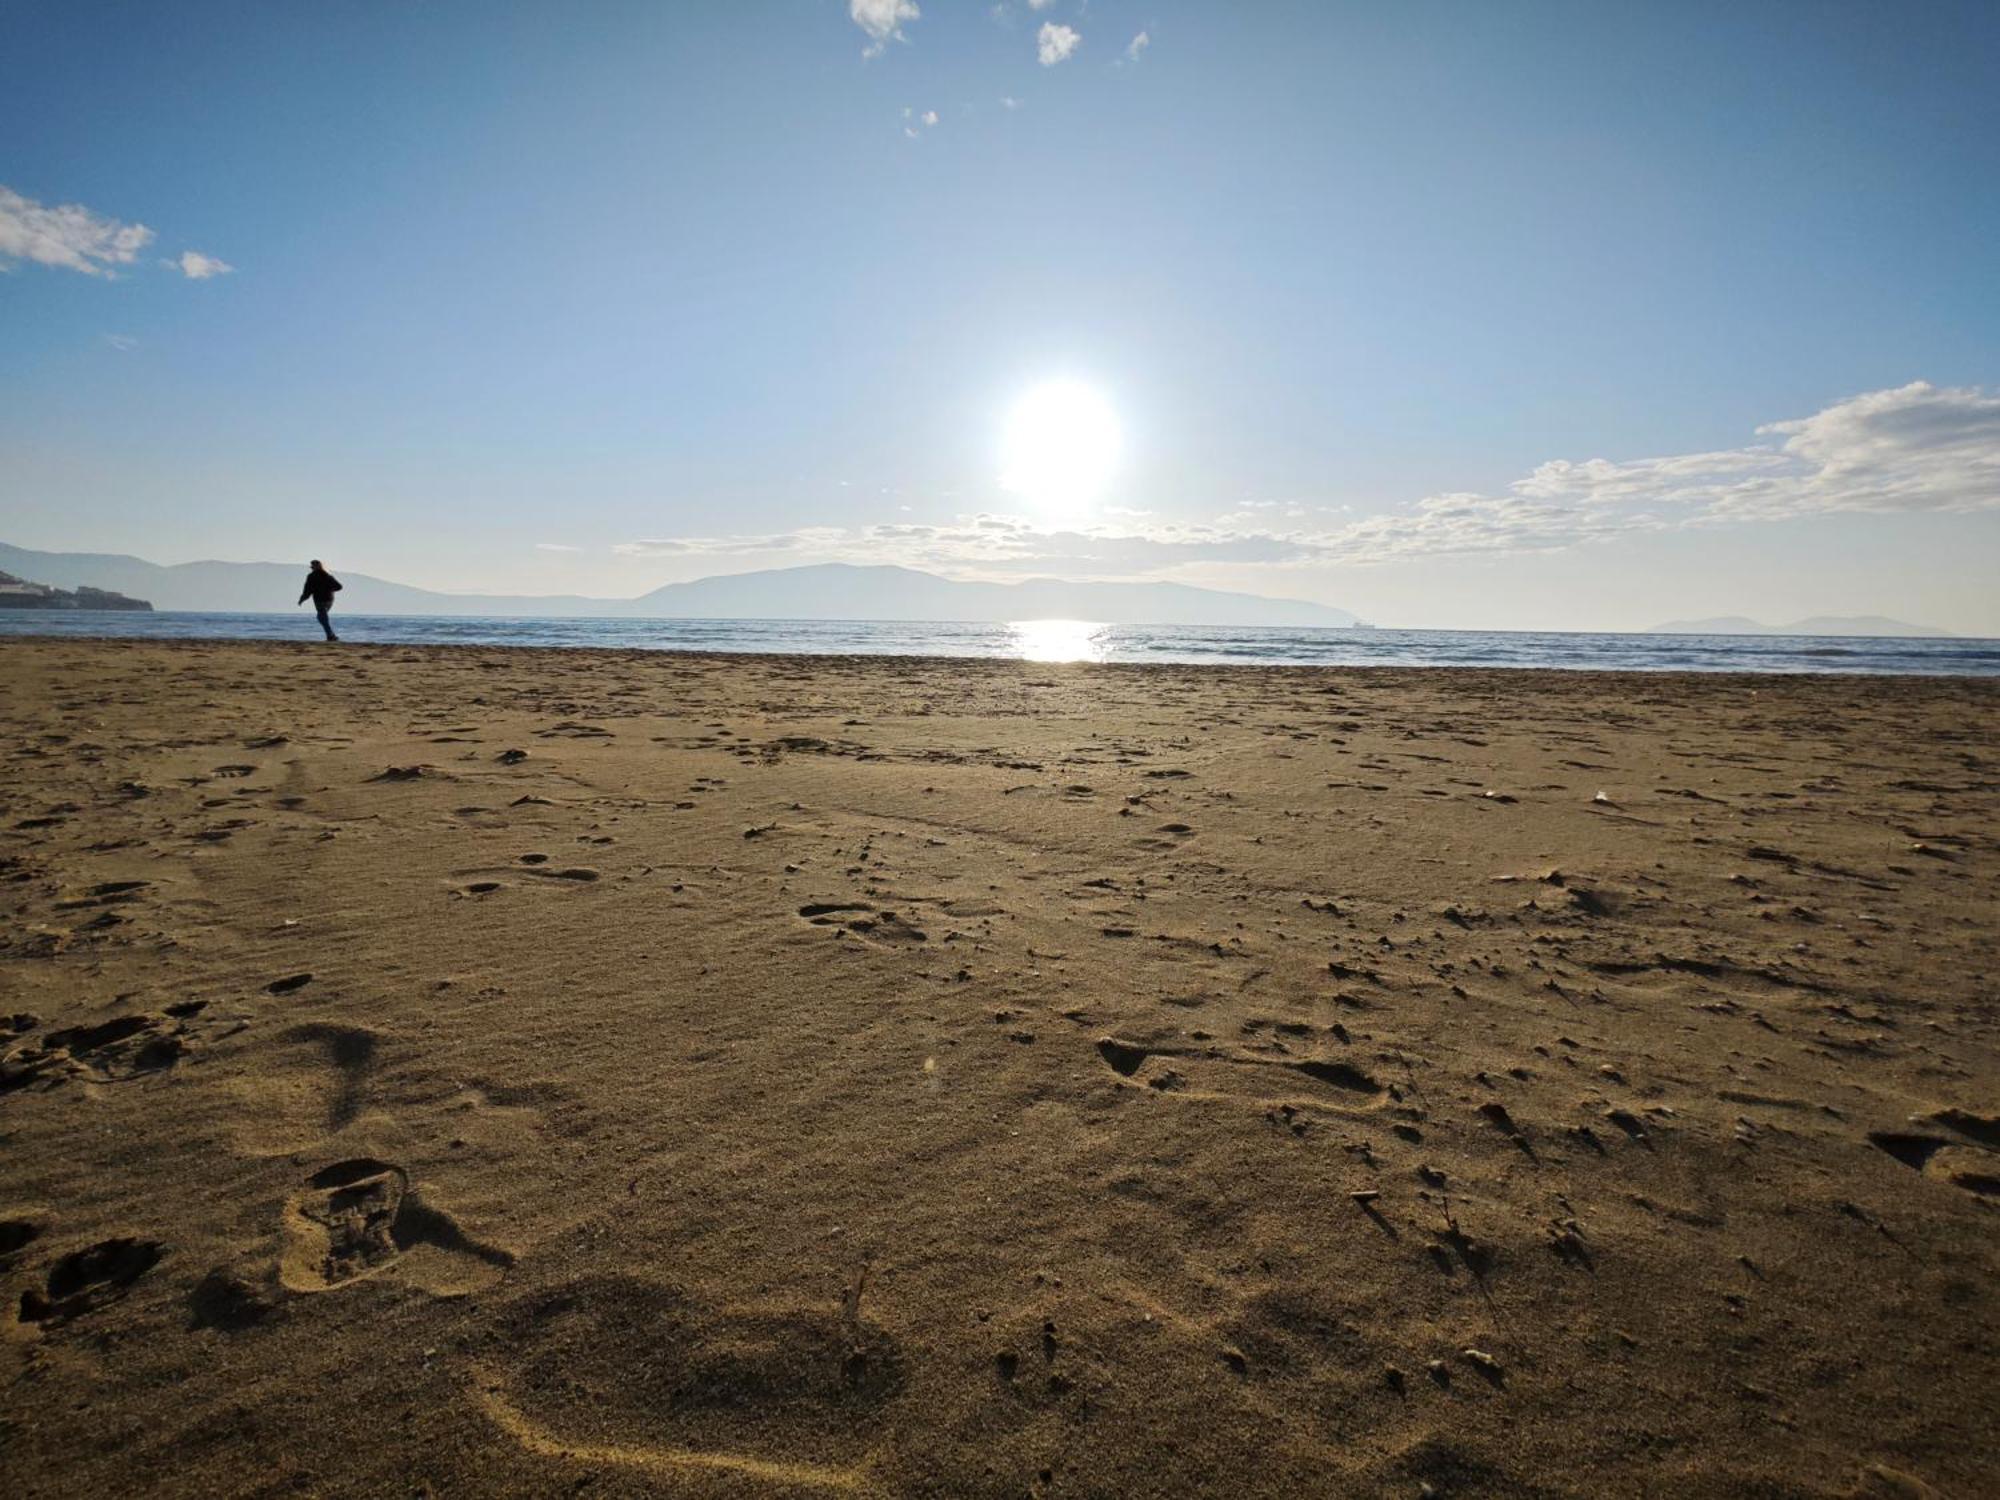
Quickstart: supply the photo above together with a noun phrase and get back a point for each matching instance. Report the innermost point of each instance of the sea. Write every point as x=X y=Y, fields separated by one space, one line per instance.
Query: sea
x=1069 y=641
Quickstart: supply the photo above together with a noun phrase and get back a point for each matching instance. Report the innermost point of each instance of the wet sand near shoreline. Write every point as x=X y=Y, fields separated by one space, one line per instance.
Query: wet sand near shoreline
x=467 y=1071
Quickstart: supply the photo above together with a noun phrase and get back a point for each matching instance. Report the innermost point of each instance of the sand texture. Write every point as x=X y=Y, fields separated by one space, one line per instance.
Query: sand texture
x=501 y=1072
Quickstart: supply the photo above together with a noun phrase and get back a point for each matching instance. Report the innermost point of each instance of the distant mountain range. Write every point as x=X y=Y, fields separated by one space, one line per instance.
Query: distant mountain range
x=1817 y=625
x=827 y=591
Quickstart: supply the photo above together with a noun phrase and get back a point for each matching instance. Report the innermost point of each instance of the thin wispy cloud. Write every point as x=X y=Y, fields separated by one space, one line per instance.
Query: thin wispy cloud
x=66 y=235
x=124 y=343
x=1054 y=43
x=830 y=537
x=1137 y=45
x=198 y=267
x=1917 y=448
x=556 y=547
x=882 y=21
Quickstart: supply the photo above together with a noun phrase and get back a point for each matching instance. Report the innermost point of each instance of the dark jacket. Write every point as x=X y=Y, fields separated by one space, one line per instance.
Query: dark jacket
x=320 y=587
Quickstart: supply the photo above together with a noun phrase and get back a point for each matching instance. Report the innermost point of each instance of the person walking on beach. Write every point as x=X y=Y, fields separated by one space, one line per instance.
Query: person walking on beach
x=320 y=587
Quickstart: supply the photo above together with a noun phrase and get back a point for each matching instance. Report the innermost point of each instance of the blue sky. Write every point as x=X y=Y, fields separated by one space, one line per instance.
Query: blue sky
x=1451 y=314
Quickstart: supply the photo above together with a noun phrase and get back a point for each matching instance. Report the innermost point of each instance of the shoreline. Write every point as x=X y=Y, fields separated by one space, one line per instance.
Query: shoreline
x=1335 y=630
x=852 y=659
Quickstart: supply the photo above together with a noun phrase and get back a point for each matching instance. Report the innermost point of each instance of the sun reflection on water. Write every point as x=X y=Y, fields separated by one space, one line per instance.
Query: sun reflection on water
x=1058 y=640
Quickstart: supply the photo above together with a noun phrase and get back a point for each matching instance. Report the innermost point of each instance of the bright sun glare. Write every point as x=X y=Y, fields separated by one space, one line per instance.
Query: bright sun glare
x=1062 y=443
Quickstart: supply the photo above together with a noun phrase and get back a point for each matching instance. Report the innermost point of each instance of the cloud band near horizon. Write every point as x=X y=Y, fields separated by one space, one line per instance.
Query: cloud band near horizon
x=1915 y=448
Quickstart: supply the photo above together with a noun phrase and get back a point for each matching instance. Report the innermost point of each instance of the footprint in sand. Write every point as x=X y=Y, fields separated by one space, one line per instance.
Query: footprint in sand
x=360 y=1218
x=85 y=1280
x=529 y=864
x=105 y=893
x=1195 y=1072
x=875 y=926
x=114 y=1051
x=831 y=913
x=406 y=773
x=622 y=1371
x=1968 y=1167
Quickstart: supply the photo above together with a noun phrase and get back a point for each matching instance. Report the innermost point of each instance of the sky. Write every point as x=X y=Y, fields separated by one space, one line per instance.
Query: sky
x=1535 y=315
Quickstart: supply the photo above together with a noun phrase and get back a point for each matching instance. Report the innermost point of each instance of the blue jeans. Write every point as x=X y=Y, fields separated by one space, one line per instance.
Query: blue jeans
x=324 y=623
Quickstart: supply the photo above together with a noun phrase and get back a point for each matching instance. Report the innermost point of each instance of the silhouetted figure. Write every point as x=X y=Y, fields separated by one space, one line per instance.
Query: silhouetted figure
x=320 y=587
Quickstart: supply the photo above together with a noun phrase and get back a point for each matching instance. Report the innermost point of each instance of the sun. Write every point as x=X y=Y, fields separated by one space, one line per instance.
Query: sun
x=1061 y=446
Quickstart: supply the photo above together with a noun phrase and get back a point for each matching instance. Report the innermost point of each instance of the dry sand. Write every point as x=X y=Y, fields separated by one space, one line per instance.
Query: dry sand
x=469 y=1072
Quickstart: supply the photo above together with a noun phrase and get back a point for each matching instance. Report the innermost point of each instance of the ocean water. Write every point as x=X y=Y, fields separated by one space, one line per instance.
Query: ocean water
x=1071 y=640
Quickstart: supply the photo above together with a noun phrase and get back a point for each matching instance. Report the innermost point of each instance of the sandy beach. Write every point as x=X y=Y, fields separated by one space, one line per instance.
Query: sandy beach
x=507 y=1072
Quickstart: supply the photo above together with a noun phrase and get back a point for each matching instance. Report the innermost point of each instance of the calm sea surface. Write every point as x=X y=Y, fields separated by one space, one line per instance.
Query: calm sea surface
x=1071 y=640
